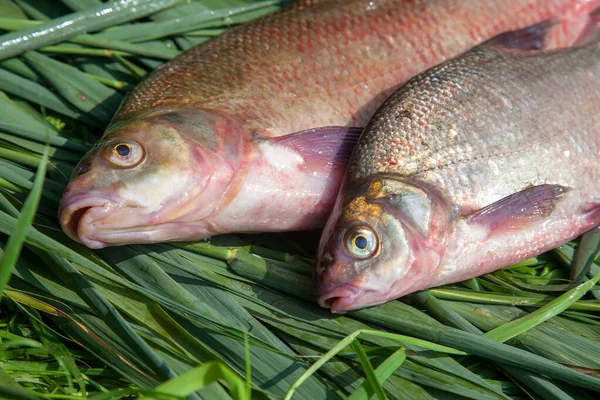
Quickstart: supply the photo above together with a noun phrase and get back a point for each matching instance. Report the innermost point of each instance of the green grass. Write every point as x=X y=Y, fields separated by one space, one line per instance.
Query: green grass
x=233 y=317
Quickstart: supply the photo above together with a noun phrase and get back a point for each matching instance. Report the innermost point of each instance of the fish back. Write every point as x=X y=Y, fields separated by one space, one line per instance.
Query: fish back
x=482 y=125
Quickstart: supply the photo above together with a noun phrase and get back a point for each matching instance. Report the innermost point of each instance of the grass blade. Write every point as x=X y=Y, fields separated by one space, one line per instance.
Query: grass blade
x=16 y=120
x=215 y=16
x=348 y=340
x=507 y=299
x=588 y=249
x=372 y=379
x=477 y=345
x=35 y=93
x=81 y=91
x=80 y=5
x=17 y=239
x=13 y=392
x=58 y=350
x=89 y=20
x=199 y=377
x=383 y=372
x=553 y=308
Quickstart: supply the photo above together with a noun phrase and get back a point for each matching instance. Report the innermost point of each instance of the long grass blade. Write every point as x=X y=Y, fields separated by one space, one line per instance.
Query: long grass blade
x=58 y=350
x=477 y=345
x=553 y=308
x=14 y=119
x=215 y=16
x=35 y=93
x=81 y=91
x=372 y=379
x=89 y=20
x=383 y=372
x=536 y=383
x=14 y=392
x=199 y=377
x=508 y=299
x=587 y=251
x=17 y=239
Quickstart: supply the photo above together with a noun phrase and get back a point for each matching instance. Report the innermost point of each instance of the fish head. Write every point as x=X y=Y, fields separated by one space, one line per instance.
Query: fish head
x=384 y=239
x=151 y=178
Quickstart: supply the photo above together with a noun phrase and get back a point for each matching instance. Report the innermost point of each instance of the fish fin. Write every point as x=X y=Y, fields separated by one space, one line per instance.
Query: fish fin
x=577 y=30
x=520 y=209
x=331 y=145
x=530 y=38
x=591 y=33
x=574 y=30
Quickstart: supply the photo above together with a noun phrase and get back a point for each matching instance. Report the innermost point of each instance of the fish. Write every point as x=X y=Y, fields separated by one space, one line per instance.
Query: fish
x=252 y=131
x=473 y=165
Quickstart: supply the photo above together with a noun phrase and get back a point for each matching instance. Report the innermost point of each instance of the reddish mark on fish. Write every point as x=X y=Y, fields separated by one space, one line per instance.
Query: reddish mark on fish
x=392 y=162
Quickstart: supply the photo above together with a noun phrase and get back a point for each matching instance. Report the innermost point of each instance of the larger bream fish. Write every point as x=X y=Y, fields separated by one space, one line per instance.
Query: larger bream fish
x=252 y=131
x=474 y=165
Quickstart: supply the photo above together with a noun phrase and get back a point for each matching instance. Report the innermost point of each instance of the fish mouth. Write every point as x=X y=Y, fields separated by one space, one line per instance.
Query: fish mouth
x=340 y=298
x=79 y=214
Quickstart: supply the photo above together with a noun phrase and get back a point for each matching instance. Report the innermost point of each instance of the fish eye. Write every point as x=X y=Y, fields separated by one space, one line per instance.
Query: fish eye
x=123 y=149
x=361 y=242
x=125 y=153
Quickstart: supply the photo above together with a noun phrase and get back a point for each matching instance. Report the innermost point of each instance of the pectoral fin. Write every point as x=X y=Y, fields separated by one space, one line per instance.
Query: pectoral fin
x=520 y=209
x=330 y=145
x=573 y=30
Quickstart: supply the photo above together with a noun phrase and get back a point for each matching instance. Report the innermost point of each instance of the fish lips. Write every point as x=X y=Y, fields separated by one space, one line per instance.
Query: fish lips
x=344 y=297
x=80 y=213
x=337 y=297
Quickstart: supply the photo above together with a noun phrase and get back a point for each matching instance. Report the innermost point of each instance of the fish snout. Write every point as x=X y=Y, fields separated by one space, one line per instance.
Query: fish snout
x=78 y=214
x=332 y=282
x=339 y=286
x=339 y=297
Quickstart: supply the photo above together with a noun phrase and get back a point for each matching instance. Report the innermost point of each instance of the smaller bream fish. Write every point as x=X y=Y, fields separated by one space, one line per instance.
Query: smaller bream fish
x=474 y=165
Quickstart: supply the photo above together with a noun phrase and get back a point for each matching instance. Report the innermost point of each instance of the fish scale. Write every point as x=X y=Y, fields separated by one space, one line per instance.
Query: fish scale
x=432 y=139
x=473 y=165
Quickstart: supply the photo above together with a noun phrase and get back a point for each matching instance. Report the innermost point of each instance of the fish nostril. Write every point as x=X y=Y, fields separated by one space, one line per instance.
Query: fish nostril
x=324 y=262
x=82 y=168
x=319 y=270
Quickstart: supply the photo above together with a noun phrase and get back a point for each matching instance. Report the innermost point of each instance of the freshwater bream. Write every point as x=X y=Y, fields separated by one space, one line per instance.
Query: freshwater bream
x=252 y=131
x=474 y=165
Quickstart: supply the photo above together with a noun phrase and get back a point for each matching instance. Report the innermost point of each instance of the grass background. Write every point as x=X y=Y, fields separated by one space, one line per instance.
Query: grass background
x=233 y=317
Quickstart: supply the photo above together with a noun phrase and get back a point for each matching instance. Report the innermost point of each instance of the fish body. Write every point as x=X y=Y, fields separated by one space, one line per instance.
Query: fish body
x=252 y=131
x=476 y=164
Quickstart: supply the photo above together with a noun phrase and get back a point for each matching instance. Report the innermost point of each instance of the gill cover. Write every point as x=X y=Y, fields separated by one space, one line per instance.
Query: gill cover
x=384 y=239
